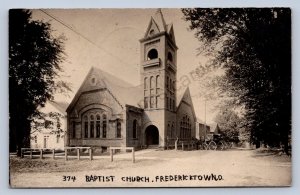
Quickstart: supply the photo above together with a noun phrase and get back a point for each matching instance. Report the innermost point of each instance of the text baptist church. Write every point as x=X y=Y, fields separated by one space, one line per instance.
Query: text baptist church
x=107 y=111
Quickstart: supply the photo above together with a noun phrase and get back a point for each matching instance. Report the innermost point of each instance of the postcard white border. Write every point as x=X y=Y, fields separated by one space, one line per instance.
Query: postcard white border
x=7 y=4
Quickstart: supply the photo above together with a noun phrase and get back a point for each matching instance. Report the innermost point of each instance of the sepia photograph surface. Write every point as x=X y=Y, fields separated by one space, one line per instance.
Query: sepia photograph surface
x=193 y=97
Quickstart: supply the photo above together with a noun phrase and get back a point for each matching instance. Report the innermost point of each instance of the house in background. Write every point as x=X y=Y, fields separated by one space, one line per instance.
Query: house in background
x=49 y=131
x=214 y=129
x=202 y=129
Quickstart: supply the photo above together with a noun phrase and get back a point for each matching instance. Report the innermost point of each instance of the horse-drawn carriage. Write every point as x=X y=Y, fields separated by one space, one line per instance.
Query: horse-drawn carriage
x=214 y=142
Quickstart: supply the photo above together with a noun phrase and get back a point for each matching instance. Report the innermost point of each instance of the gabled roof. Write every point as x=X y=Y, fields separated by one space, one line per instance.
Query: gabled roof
x=158 y=24
x=159 y=20
x=54 y=106
x=125 y=92
x=213 y=127
x=122 y=91
x=186 y=96
x=170 y=31
x=60 y=106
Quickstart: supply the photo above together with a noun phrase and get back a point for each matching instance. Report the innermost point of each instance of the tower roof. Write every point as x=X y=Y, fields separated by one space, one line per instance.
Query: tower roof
x=157 y=26
x=159 y=20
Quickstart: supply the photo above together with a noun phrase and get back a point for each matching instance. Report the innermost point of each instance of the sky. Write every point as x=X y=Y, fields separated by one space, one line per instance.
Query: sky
x=109 y=39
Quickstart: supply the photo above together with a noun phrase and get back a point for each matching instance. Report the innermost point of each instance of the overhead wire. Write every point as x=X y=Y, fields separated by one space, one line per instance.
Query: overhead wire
x=84 y=37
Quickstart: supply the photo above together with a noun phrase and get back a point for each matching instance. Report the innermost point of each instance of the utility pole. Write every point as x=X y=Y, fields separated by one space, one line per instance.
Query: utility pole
x=205 y=113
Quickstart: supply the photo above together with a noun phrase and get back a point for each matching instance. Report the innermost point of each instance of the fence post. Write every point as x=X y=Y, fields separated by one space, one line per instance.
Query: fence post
x=176 y=143
x=91 y=155
x=111 y=155
x=182 y=145
x=66 y=154
x=41 y=154
x=30 y=154
x=78 y=153
x=22 y=156
x=133 y=157
x=53 y=153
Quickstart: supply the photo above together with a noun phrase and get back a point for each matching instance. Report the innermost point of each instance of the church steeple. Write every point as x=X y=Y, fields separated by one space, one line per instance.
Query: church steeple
x=158 y=64
x=160 y=21
x=157 y=25
x=158 y=75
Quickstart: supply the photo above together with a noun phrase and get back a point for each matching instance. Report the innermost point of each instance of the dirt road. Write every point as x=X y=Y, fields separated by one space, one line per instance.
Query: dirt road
x=157 y=168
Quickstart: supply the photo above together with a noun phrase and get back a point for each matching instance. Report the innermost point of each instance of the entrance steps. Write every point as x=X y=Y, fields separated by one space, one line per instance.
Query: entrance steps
x=152 y=147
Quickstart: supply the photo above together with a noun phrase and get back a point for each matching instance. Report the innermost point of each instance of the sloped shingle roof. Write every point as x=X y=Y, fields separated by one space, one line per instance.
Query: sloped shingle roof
x=124 y=92
x=60 y=106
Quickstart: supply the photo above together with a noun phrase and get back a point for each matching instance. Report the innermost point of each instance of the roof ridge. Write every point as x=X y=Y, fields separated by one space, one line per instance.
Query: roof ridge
x=105 y=74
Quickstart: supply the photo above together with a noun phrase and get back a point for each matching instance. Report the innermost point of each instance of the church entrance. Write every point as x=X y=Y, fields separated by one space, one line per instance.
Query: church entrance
x=152 y=135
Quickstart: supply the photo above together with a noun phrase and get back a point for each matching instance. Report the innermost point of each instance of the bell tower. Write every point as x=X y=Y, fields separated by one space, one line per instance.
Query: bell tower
x=158 y=76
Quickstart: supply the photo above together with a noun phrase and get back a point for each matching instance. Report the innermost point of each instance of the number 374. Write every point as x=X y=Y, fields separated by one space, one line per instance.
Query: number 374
x=69 y=178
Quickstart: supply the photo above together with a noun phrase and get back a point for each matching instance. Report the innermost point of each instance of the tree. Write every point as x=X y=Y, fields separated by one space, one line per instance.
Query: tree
x=253 y=48
x=230 y=124
x=35 y=58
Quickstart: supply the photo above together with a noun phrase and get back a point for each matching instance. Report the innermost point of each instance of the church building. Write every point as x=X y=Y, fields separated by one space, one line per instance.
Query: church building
x=107 y=111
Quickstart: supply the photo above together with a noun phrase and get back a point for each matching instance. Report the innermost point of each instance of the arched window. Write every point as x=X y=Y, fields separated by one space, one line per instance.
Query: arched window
x=92 y=125
x=181 y=130
x=167 y=83
x=173 y=86
x=170 y=57
x=157 y=84
x=167 y=102
x=174 y=105
x=146 y=102
x=152 y=54
x=185 y=127
x=145 y=83
x=86 y=127
x=190 y=130
x=104 y=130
x=152 y=82
x=134 y=129
x=157 y=91
x=98 y=125
x=152 y=85
x=118 y=129
x=172 y=130
x=73 y=129
x=93 y=80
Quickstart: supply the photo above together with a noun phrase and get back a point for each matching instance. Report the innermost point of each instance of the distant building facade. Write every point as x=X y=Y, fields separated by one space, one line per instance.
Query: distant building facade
x=215 y=129
x=49 y=132
x=107 y=111
x=202 y=129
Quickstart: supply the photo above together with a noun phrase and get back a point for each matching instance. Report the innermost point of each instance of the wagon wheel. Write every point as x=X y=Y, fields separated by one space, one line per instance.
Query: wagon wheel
x=222 y=146
x=205 y=146
x=212 y=145
x=226 y=145
x=229 y=145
